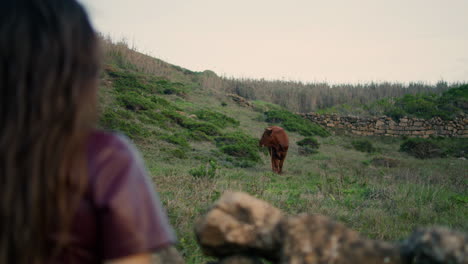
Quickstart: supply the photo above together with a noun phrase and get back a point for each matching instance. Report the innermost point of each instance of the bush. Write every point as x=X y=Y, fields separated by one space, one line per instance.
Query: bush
x=262 y=106
x=435 y=147
x=134 y=101
x=447 y=106
x=295 y=123
x=308 y=142
x=305 y=151
x=121 y=121
x=176 y=139
x=129 y=81
x=308 y=145
x=194 y=127
x=218 y=119
x=421 y=148
x=205 y=171
x=363 y=145
x=162 y=86
x=243 y=148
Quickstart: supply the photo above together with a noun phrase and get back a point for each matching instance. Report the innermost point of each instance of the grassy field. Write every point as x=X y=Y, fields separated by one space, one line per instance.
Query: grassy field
x=382 y=203
x=198 y=143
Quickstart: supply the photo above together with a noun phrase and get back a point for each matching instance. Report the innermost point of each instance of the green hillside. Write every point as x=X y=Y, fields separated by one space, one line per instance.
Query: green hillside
x=198 y=142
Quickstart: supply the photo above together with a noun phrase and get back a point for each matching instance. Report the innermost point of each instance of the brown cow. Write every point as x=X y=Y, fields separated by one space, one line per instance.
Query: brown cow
x=276 y=139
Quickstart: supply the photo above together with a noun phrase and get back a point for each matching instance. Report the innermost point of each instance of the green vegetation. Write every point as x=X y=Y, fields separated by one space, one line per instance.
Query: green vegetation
x=241 y=147
x=208 y=171
x=308 y=145
x=261 y=106
x=446 y=105
x=295 y=123
x=435 y=147
x=196 y=148
x=363 y=145
x=216 y=118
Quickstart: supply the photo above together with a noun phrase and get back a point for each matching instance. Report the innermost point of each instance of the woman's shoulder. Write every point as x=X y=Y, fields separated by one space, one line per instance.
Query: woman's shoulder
x=110 y=154
x=100 y=140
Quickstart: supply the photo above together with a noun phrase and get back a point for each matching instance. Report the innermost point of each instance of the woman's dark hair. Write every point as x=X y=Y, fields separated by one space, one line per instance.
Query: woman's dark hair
x=49 y=64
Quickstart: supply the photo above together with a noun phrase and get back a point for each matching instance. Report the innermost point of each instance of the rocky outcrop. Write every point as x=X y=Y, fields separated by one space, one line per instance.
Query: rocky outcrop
x=241 y=229
x=239 y=224
x=386 y=126
x=240 y=100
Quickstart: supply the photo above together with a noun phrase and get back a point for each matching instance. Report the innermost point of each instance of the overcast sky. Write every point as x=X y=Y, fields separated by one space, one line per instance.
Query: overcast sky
x=304 y=40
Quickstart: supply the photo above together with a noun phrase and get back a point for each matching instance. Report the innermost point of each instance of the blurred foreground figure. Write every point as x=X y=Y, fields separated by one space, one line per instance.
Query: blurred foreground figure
x=68 y=193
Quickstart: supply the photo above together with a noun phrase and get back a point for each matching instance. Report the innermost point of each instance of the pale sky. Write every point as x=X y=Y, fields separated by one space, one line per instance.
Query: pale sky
x=338 y=41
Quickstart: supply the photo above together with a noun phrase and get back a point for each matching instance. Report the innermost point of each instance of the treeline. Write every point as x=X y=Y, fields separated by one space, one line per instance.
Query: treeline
x=446 y=105
x=310 y=97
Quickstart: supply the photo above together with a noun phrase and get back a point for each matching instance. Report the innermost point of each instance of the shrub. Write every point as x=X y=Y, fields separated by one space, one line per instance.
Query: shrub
x=130 y=81
x=363 y=145
x=117 y=120
x=447 y=106
x=262 y=106
x=243 y=148
x=200 y=127
x=421 y=148
x=216 y=118
x=134 y=101
x=205 y=171
x=308 y=145
x=163 y=86
x=194 y=127
x=309 y=142
x=176 y=139
x=295 y=123
x=435 y=147
x=199 y=136
x=395 y=113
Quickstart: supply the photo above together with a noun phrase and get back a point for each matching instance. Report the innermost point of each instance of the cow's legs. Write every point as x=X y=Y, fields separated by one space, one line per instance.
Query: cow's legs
x=283 y=157
x=277 y=165
x=271 y=151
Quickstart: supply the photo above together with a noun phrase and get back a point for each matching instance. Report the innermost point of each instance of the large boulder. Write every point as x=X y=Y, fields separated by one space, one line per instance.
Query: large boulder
x=241 y=229
x=240 y=224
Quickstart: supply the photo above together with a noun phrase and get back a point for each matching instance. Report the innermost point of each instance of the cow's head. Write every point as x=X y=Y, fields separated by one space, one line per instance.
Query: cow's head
x=266 y=137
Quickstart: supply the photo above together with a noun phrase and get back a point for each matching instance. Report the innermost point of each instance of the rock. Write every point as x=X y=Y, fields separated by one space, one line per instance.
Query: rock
x=379 y=123
x=240 y=229
x=436 y=245
x=311 y=239
x=240 y=100
x=239 y=224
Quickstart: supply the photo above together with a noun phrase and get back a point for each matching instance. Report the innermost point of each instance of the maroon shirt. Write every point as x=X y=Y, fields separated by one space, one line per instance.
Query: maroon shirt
x=120 y=214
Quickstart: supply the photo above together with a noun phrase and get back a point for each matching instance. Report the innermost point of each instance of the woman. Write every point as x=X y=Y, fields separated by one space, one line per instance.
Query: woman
x=68 y=193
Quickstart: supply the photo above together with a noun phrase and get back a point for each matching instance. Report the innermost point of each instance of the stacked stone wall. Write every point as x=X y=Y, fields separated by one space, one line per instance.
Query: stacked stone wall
x=386 y=126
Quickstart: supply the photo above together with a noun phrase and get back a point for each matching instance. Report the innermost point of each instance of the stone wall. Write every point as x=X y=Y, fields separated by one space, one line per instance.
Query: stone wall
x=241 y=229
x=386 y=126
